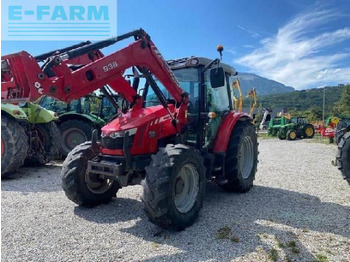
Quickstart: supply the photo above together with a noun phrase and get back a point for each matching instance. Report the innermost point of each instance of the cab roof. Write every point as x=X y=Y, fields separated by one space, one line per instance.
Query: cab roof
x=195 y=61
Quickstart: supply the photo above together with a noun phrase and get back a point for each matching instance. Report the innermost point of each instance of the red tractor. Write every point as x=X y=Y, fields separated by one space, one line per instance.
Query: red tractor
x=178 y=130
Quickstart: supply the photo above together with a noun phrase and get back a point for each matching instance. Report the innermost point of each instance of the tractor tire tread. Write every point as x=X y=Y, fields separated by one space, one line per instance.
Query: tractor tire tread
x=235 y=182
x=16 y=142
x=73 y=173
x=156 y=186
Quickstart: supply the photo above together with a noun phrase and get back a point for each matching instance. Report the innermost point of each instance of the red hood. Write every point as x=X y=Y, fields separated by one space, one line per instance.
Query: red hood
x=136 y=118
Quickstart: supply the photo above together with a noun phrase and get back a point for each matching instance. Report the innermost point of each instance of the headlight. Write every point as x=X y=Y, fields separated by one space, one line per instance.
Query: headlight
x=117 y=134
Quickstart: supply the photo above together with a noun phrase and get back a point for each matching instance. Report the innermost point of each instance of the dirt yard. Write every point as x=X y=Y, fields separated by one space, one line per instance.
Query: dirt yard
x=298 y=210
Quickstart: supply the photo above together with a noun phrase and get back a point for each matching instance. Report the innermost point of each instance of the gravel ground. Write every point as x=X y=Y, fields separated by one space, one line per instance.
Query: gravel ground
x=298 y=210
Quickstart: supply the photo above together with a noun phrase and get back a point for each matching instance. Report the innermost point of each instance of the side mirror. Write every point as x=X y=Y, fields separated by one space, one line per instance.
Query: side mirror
x=217 y=77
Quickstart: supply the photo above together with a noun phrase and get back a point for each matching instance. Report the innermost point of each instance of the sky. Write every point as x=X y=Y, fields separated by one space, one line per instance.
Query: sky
x=300 y=43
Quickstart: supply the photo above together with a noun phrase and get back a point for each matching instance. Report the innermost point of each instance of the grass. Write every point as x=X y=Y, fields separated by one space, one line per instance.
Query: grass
x=266 y=136
x=320 y=140
x=273 y=254
x=291 y=244
x=223 y=233
x=281 y=245
x=234 y=239
x=155 y=245
x=295 y=250
x=321 y=258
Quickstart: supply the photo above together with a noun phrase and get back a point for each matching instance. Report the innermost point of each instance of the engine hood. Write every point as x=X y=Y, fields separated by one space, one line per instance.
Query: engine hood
x=136 y=118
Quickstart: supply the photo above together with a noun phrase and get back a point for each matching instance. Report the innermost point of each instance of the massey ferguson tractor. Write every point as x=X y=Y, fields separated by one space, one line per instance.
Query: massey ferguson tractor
x=179 y=131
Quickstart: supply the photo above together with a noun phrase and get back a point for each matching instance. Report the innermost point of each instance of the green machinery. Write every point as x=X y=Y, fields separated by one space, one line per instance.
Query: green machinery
x=275 y=125
x=29 y=135
x=298 y=127
x=79 y=118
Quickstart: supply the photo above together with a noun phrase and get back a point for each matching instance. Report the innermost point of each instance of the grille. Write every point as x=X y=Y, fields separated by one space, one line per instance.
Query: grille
x=117 y=143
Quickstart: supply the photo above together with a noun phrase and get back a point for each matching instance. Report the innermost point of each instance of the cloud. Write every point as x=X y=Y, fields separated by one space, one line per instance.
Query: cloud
x=251 y=32
x=299 y=54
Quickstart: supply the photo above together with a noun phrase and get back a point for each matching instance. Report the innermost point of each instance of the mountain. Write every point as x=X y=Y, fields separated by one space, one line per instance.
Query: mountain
x=303 y=99
x=263 y=85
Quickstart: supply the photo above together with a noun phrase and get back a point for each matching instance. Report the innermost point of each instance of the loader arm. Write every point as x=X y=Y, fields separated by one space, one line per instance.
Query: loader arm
x=24 y=79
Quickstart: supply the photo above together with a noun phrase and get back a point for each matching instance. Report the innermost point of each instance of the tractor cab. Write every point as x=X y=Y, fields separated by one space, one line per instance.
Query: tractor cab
x=299 y=120
x=209 y=101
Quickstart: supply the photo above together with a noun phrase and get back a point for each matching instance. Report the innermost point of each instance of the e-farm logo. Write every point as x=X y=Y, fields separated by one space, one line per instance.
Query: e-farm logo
x=58 y=20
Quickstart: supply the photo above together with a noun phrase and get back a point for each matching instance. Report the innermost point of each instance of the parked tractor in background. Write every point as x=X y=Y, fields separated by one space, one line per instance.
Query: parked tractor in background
x=276 y=123
x=29 y=135
x=178 y=131
x=79 y=118
x=298 y=127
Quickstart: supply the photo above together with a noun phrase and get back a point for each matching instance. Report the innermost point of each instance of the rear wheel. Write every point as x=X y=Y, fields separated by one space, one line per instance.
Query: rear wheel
x=81 y=187
x=291 y=135
x=74 y=132
x=343 y=156
x=14 y=145
x=49 y=139
x=309 y=131
x=174 y=187
x=241 y=158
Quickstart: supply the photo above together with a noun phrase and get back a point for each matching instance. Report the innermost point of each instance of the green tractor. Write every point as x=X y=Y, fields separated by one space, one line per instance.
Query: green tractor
x=79 y=118
x=298 y=127
x=275 y=125
x=29 y=135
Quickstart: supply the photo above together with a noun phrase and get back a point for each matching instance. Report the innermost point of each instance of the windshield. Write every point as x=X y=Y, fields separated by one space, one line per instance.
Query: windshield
x=188 y=80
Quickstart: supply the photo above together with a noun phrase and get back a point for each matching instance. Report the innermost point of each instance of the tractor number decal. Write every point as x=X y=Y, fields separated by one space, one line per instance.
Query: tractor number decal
x=110 y=66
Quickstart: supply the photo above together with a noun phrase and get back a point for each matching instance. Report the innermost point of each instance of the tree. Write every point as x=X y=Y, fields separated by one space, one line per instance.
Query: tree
x=342 y=108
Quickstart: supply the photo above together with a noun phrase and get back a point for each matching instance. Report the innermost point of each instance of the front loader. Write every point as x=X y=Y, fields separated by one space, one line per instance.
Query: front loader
x=178 y=131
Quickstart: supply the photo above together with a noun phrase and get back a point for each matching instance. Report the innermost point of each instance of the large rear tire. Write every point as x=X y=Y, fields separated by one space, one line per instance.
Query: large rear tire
x=82 y=188
x=308 y=131
x=50 y=139
x=343 y=156
x=74 y=132
x=14 y=145
x=174 y=187
x=241 y=158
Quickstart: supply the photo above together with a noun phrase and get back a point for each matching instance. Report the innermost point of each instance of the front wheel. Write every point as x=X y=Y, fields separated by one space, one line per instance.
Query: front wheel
x=81 y=187
x=174 y=187
x=241 y=158
x=291 y=135
x=281 y=134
